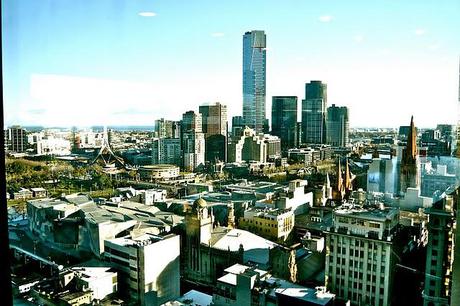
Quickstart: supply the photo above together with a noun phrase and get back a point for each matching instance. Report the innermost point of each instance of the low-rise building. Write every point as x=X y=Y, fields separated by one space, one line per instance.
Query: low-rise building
x=149 y=266
x=159 y=172
x=243 y=285
x=296 y=197
x=275 y=224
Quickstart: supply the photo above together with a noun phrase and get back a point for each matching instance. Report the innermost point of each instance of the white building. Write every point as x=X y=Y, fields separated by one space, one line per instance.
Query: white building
x=296 y=197
x=383 y=175
x=53 y=146
x=102 y=281
x=242 y=285
x=149 y=266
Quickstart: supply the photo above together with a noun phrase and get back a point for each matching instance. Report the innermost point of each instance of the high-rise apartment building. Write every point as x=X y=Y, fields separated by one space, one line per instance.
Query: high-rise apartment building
x=166 y=151
x=193 y=142
x=167 y=128
x=337 y=125
x=254 y=79
x=284 y=120
x=16 y=139
x=361 y=253
x=314 y=113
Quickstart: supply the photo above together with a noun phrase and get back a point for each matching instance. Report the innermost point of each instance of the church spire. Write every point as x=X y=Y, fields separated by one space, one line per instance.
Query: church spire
x=347 y=184
x=411 y=148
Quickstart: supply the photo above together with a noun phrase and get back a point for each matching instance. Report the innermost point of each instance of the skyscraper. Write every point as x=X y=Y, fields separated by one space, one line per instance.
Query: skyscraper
x=284 y=120
x=193 y=143
x=314 y=113
x=214 y=119
x=254 y=79
x=337 y=125
x=167 y=128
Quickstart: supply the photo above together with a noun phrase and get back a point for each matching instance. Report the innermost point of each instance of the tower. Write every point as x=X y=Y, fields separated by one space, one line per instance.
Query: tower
x=214 y=125
x=314 y=113
x=409 y=176
x=284 y=120
x=198 y=229
x=254 y=79
x=337 y=125
x=193 y=143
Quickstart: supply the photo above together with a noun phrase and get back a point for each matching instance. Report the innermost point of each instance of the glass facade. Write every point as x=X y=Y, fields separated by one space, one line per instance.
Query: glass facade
x=314 y=113
x=254 y=79
x=284 y=120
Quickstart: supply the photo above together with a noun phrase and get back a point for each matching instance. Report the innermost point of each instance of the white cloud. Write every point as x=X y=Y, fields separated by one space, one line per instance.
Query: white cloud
x=420 y=32
x=358 y=38
x=217 y=34
x=147 y=14
x=325 y=18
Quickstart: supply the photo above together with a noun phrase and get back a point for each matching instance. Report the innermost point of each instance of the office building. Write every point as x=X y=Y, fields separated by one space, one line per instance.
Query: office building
x=361 y=253
x=214 y=119
x=16 y=139
x=274 y=224
x=149 y=266
x=314 y=113
x=383 y=175
x=440 y=251
x=215 y=125
x=193 y=141
x=337 y=125
x=252 y=147
x=254 y=79
x=284 y=120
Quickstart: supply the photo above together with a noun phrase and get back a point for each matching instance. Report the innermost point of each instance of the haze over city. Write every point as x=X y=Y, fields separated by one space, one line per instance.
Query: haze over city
x=93 y=63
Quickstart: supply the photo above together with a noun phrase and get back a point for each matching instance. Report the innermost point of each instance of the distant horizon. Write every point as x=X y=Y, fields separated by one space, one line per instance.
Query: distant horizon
x=137 y=127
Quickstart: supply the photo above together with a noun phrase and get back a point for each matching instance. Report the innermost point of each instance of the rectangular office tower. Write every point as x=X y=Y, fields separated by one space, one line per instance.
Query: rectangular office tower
x=314 y=113
x=254 y=79
x=337 y=125
x=284 y=120
x=360 y=253
x=214 y=117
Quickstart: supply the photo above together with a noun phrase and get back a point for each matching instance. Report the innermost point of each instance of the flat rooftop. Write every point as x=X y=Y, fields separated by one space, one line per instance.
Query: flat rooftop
x=309 y=295
x=368 y=213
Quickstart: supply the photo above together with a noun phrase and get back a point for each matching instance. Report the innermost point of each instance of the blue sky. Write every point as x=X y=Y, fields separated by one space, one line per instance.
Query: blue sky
x=130 y=62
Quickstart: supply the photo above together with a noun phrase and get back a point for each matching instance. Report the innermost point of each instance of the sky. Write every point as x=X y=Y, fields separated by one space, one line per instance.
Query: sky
x=129 y=62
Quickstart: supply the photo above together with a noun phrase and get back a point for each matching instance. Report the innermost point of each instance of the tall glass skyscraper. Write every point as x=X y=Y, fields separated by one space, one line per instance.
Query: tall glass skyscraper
x=314 y=113
x=284 y=120
x=254 y=79
x=337 y=125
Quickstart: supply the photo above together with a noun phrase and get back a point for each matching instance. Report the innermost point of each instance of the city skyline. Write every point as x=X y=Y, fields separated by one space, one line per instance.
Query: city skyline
x=111 y=72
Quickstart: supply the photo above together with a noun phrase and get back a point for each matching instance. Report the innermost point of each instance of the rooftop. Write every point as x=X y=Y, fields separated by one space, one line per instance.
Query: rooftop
x=256 y=248
x=380 y=214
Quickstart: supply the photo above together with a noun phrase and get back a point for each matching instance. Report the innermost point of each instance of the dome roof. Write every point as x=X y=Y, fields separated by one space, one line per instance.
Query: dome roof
x=200 y=203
